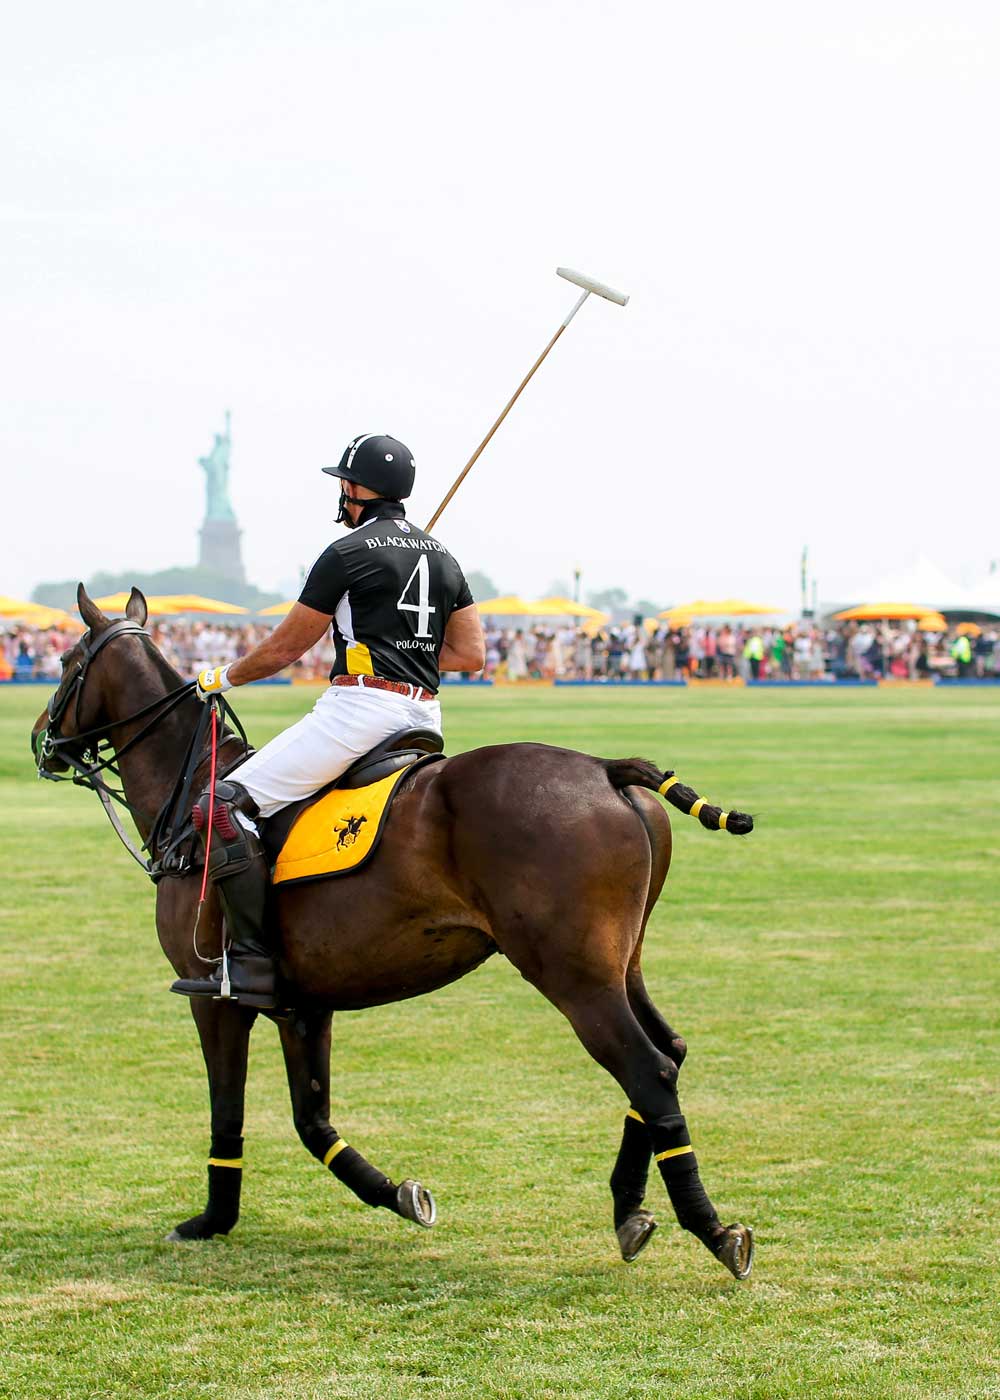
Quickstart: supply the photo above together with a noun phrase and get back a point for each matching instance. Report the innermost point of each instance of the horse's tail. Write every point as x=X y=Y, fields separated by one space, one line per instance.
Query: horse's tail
x=638 y=772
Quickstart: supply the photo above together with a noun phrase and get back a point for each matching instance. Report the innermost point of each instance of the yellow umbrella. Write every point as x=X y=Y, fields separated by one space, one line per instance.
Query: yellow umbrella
x=16 y=608
x=509 y=605
x=155 y=606
x=277 y=610
x=717 y=607
x=54 y=617
x=36 y=614
x=969 y=629
x=565 y=607
x=932 y=622
x=194 y=602
x=875 y=612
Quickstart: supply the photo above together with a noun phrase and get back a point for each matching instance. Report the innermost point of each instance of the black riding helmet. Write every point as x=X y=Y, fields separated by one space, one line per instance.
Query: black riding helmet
x=383 y=464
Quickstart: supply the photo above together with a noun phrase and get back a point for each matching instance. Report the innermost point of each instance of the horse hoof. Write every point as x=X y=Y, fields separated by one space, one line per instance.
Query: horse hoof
x=737 y=1250
x=414 y=1202
x=199 y=1227
x=634 y=1234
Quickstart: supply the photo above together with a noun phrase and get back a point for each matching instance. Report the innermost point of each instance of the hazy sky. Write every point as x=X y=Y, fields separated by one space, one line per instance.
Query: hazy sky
x=345 y=217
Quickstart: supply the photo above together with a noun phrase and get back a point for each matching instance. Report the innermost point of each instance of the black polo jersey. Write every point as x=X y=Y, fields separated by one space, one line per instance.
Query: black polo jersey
x=390 y=590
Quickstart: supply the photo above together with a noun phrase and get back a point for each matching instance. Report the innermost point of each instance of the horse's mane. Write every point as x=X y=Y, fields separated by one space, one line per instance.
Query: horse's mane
x=170 y=677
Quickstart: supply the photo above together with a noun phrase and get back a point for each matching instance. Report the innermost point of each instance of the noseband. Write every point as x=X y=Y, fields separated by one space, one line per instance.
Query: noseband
x=82 y=752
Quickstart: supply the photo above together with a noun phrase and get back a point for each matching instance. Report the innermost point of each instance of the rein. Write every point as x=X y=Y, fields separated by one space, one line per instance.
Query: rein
x=82 y=752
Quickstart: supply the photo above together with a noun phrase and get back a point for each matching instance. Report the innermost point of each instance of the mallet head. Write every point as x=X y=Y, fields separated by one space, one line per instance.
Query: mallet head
x=590 y=285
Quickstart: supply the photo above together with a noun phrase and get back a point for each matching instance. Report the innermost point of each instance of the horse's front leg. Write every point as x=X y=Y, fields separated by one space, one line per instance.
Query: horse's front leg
x=305 y=1040
x=225 y=1037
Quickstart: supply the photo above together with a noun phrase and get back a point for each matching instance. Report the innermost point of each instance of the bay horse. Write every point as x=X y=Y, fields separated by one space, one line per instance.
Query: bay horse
x=551 y=857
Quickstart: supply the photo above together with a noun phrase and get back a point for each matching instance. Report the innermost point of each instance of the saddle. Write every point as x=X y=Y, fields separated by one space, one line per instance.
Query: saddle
x=331 y=839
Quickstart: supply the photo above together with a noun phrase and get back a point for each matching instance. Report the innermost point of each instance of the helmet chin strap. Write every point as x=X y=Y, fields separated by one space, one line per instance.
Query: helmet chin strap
x=345 y=500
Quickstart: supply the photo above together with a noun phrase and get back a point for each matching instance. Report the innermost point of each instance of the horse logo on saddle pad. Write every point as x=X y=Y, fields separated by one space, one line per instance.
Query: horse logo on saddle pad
x=349 y=832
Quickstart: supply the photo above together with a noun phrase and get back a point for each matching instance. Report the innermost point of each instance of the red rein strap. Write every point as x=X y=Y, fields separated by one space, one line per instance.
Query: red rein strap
x=211 y=808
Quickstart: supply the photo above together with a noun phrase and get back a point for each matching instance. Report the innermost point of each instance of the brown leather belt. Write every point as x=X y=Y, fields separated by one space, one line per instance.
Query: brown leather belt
x=412 y=692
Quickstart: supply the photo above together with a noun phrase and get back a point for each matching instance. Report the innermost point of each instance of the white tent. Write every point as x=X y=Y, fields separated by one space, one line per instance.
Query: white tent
x=922 y=582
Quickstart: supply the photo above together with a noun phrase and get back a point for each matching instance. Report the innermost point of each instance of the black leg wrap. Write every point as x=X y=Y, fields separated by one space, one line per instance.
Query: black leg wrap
x=223 y=1209
x=679 y=1169
x=226 y=1147
x=224 y=1183
x=631 y=1170
x=367 y=1182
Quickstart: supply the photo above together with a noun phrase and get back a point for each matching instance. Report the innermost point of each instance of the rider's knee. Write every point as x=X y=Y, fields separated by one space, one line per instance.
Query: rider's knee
x=228 y=795
x=235 y=838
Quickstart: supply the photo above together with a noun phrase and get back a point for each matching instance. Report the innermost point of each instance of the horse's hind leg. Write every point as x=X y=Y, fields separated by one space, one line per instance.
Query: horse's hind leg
x=225 y=1039
x=663 y=1036
x=633 y=1225
x=606 y=1024
x=305 y=1040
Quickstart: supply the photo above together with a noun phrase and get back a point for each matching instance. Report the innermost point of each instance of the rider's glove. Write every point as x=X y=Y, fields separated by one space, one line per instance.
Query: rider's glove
x=213 y=681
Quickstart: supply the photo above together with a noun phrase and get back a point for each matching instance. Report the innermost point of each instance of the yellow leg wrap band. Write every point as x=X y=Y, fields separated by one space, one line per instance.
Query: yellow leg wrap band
x=696 y=807
x=637 y=1116
x=332 y=1152
x=664 y=788
x=673 y=1152
x=723 y=818
x=225 y=1162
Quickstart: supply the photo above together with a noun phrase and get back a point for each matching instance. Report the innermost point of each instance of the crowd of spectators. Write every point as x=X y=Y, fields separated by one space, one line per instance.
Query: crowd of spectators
x=30 y=653
x=799 y=651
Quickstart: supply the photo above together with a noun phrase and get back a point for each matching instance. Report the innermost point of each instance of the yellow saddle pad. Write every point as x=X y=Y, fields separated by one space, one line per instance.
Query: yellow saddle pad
x=338 y=833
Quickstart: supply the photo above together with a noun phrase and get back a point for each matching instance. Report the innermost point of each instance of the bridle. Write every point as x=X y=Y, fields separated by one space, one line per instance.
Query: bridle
x=90 y=753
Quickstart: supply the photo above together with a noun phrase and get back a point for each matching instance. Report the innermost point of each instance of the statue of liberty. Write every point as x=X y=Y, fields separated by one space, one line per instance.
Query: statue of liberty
x=219 y=552
x=218 y=506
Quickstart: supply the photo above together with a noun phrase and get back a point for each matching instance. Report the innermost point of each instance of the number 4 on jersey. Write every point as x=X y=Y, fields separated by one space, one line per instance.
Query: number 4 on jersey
x=422 y=607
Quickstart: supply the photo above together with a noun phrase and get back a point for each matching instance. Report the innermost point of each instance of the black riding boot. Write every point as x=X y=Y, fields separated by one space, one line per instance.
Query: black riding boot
x=238 y=869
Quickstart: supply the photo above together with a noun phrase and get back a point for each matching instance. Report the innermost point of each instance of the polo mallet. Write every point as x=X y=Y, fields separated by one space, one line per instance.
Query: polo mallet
x=589 y=285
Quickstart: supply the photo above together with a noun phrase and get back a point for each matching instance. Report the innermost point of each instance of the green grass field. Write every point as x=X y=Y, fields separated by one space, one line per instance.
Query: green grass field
x=836 y=976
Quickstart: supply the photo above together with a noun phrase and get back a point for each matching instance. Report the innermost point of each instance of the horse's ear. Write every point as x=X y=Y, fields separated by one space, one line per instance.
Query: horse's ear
x=135 y=608
x=89 y=610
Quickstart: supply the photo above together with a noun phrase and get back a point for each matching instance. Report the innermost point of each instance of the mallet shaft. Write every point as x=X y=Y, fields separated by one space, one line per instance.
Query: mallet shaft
x=580 y=280
x=510 y=404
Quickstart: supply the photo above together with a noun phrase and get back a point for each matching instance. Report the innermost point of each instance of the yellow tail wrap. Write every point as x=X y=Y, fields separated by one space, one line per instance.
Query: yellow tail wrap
x=664 y=788
x=333 y=1151
x=226 y=1162
x=723 y=818
x=637 y=1116
x=696 y=807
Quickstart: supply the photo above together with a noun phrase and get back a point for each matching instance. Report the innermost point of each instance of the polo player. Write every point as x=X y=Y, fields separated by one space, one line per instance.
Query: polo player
x=401 y=612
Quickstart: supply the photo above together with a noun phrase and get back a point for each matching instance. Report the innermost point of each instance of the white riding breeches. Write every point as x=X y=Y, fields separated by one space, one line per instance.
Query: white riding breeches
x=342 y=726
